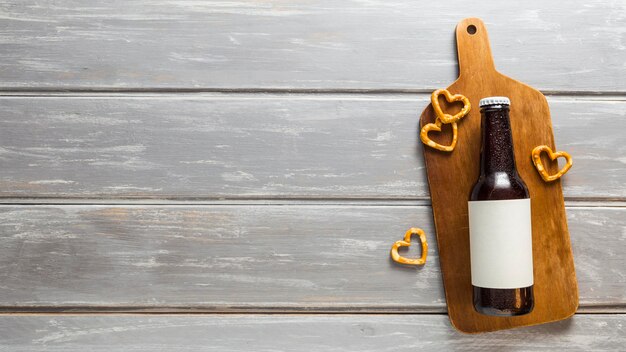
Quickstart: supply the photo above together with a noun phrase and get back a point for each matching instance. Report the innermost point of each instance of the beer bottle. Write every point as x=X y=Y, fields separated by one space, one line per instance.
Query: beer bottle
x=499 y=221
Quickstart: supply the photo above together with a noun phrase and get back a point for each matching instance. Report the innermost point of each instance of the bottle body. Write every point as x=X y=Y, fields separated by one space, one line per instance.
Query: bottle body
x=500 y=223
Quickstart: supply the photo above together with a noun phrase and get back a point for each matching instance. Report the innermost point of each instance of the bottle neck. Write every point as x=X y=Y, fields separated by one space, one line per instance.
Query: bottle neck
x=497 y=141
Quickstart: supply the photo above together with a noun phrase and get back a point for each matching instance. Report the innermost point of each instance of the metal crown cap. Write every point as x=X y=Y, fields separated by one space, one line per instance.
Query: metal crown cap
x=494 y=101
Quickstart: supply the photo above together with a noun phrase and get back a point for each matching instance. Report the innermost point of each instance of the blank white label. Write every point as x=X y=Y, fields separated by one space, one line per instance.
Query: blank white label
x=501 y=243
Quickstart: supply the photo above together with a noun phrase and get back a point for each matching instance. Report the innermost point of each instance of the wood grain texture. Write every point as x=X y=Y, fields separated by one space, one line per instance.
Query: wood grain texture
x=557 y=45
x=288 y=257
x=262 y=146
x=297 y=333
x=452 y=176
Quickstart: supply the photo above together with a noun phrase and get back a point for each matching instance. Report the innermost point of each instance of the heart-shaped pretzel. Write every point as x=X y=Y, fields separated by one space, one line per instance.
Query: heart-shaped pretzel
x=447 y=118
x=407 y=243
x=536 y=155
x=437 y=127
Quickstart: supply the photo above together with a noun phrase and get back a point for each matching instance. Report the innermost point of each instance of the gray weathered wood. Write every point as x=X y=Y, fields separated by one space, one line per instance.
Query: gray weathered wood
x=290 y=257
x=275 y=255
x=257 y=145
x=552 y=45
x=297 y=333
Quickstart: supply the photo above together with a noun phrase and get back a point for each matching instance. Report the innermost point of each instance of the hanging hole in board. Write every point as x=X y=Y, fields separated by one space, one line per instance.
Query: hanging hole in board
x=471 y=29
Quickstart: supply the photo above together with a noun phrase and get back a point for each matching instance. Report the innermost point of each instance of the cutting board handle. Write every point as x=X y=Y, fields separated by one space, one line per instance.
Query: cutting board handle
x=473 y=47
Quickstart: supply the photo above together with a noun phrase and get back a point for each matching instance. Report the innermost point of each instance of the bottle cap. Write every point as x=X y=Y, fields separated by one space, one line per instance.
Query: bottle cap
x=494 y=101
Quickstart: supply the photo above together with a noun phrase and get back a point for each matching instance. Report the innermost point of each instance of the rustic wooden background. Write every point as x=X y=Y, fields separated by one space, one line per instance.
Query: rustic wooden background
x=184 y=175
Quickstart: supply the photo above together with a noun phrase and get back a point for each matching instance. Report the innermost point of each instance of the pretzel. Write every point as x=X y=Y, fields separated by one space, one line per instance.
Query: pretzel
x=437 y=127
x=447 y=118
x=444 y=118
x=406 y=243
x=536 y=155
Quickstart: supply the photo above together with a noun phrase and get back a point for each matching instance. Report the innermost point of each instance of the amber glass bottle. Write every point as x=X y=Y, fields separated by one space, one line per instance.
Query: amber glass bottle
x=500 y=222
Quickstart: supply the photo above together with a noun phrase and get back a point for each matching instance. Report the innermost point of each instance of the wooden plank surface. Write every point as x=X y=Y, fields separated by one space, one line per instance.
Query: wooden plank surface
x=262 y=146
x=281 y=257
x=268 y=256
x=297 y=333
x=306 y=44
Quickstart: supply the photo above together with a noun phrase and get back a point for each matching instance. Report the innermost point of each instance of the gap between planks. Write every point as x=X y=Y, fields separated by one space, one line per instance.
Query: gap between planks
x=88 y=310
x=143 y=92
x=364 y=202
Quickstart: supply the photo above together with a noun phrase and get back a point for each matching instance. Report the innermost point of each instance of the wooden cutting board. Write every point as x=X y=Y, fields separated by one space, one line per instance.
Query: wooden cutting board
x=452 y=175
